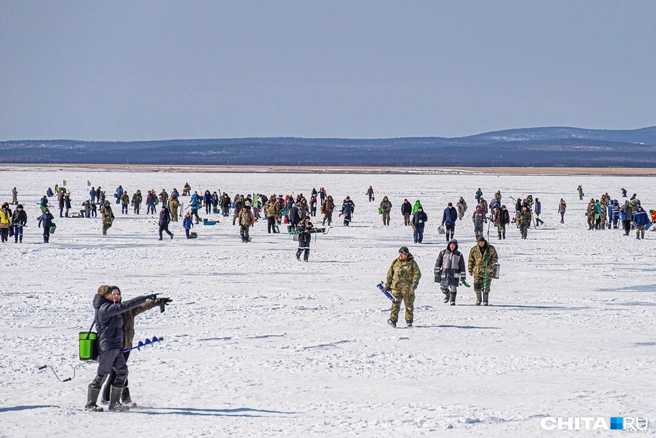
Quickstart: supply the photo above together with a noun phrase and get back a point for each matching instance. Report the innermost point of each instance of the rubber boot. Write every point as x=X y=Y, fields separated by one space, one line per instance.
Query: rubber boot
x=446 y=297
x=452 y=300
x=104 y=397
x=115 y=397
x=478 y=298
x=126 y=399
x=92 y=397
x=485 y=299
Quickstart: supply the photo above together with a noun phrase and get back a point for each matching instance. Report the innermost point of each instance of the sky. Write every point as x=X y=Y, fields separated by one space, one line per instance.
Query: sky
x=152 y=70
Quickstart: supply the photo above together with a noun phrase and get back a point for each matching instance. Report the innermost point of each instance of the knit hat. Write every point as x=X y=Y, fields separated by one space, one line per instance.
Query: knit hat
x=404 y=250
x=105 y=290
x=481 y=239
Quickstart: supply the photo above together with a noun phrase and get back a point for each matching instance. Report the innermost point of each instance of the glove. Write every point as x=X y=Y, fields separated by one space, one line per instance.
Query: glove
x=386 y=289
x=463 y=276
x=414 y=286
x=163 y=302
x=151 y=296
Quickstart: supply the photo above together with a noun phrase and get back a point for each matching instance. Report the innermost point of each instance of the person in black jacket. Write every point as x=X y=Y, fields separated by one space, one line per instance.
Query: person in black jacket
x=419 y=220
x=501 y=219
x=449 y=271
x=304 y=239
x=164 y=220
x=109 y=322
x=18 y=221
x=449 y=219
x=406 y=211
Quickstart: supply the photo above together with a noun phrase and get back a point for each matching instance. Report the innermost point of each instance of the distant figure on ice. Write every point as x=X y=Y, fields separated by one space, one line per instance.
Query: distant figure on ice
x=348 y=207
x=18 y=221
x=538 y=210
x=524 y=221
x=406 y=211
x=623 y=192
x=370 y=192
x=246 y=220
x=640 y=220
x=164 y=221
x=449 y=218
x=461 y=206
x=187 y=223
x=304 y=239
x=386 y=209
x=402 y=281
x=107 y=217
x=327 y=208
x=562 y=208
x=501 y=219
x=580 y=190
x=478 y=219
x=45 y=220
x=419 y=220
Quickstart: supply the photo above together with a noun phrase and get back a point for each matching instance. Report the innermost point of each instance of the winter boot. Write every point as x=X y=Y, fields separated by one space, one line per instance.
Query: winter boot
x=446 y=297
x=478 y=298
x=452 y=300
x=391 y=322
x=92 y=397
x=114 y=397
x=126 y=399
x=485 y=299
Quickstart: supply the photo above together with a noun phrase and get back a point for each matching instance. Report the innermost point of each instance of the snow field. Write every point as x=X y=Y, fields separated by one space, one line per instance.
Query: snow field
x=258 y=344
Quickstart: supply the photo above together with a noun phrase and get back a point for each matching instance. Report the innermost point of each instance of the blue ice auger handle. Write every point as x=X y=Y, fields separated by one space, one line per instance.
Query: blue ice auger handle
x=387 y=293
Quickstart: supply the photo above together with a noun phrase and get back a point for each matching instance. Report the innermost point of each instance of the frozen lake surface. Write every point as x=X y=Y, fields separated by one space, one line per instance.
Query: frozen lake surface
x=258 y=344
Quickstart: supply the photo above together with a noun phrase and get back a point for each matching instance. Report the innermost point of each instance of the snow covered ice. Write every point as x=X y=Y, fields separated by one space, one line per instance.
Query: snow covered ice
x=258 y=344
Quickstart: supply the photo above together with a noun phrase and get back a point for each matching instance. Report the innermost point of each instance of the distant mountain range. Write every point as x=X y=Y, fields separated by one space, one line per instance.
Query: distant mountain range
x=539 y=147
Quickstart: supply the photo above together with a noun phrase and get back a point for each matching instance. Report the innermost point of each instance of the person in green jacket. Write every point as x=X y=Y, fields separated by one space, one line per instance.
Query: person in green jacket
x=402 y=280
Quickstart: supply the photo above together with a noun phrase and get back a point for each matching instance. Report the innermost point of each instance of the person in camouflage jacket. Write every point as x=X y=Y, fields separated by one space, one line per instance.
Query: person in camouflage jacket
x=402 y=280
x=107 y=217
x=174 y=204
x=524 y=221
x=480 y=265
x=328 y=206
x=386 y=209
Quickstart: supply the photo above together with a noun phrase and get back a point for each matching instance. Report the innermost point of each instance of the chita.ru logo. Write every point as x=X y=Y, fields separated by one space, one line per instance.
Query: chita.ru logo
x=633 y=424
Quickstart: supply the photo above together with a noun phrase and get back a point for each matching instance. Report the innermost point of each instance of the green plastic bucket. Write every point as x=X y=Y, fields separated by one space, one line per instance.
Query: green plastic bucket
x=88 y=345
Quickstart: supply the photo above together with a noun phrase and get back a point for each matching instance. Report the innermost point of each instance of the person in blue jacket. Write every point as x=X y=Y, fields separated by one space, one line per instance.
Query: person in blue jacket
x=45 y=220
x=195 y=204
x=109 y=322
x=187 y=223
x=640 y=219
x=449 y=219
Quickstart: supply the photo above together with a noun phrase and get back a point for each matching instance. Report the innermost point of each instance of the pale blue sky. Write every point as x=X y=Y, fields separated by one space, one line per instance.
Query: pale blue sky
x=137 y=70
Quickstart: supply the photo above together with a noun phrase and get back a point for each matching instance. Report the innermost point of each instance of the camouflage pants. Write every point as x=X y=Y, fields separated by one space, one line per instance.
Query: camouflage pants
x=523 y=229
x=479 y=283
x=408 y=298
x=591 y=222
x=327 y=217
x=640 y=232
x=406 y=219
x=174 y=214
x=243 y=232
x=105 y=228
x=386 y=217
